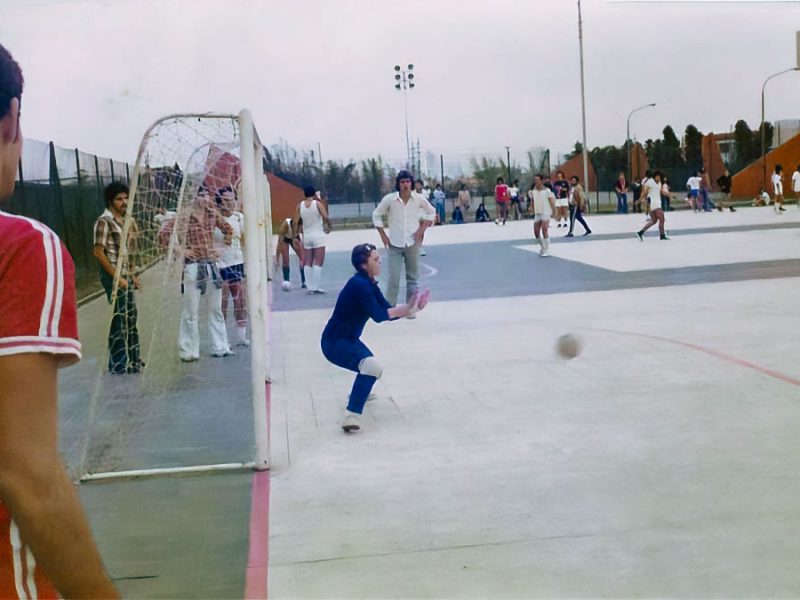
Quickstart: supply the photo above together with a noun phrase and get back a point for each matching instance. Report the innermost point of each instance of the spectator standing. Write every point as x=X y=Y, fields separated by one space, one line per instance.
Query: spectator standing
x=621 y=189
x=408 y=216
x=439 y=198
x=123 y=335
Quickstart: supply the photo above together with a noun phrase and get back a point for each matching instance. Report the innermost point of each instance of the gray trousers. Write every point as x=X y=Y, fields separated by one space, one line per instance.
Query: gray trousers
x=397 y=257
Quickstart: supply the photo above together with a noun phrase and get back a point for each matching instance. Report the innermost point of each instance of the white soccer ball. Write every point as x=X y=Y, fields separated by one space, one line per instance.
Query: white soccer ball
x=286 y=285
x=568 y=346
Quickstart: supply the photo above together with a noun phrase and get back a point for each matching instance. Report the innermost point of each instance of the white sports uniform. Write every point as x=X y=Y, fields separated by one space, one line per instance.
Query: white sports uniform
x=313 y=232
x=542 y=211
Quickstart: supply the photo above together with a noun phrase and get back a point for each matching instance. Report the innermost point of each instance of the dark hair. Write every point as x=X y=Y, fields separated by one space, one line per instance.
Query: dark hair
x=403 y=174
x=559 y=173
x=778 y=168
x=360 y=255
x=499 y=180
x=112 y=190
x=220 y=191
x=576 y=178
x=648 y=173
x=516 y=181
x=658 y=174
x=309 y=191
x=11 y=81
x=539 y=175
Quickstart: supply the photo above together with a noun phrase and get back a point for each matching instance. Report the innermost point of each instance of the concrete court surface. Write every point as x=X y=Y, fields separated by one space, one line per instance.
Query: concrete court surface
x=662 y=462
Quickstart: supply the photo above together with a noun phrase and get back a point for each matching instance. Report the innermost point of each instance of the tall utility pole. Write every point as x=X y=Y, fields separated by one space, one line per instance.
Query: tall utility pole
x=508 y=163
x=583 y=106
x=404 y=81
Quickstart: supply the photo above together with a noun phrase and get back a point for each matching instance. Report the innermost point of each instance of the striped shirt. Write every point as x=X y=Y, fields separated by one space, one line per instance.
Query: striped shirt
x=37 y=315
x=108 y=234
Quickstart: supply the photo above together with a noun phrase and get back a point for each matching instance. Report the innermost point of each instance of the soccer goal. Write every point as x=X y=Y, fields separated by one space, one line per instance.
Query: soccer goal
x=183 y=356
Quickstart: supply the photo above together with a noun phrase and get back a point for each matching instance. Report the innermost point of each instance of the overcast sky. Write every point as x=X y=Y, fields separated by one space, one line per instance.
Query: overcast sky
x=489 y=73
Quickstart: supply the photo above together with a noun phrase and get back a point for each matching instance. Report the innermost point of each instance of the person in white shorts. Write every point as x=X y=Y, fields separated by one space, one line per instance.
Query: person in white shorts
x=231 y=262
x=543 y=202
x=796 y=185
x=651 y=190
x=561 y=193
x=777 y=188
x=316 y=226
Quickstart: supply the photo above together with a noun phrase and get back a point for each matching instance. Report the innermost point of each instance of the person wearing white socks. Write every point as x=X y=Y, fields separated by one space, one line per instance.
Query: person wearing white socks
x=316 y=226
x=544 y=205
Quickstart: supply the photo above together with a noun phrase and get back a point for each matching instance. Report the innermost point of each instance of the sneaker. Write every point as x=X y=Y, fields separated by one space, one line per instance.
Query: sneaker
x=304 y=286
x=317 y=291
x=569 y=234
x=782 y=209
x=640 y=235
x=587 y=233
x=243 y=342
x=663 y=237
x=422 y=252
x=352 y=422
x=224 y=354
x=733 y=209
x=188 y=359
x=541 y=251
x=544 y=254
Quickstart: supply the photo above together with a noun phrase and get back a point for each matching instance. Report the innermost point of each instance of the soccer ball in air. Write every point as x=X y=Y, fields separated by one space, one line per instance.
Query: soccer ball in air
x=568 y=346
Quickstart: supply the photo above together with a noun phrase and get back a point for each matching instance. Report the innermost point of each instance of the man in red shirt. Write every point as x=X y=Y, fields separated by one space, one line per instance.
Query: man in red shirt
x=45 y=541
x=501 y=197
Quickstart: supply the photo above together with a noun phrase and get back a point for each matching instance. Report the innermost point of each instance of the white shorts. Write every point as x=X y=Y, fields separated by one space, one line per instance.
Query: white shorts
x=541 y=218
x=314 y=240
x=562 y=202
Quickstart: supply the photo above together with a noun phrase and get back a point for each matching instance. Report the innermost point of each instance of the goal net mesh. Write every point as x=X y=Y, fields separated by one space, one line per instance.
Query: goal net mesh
x=174 y=382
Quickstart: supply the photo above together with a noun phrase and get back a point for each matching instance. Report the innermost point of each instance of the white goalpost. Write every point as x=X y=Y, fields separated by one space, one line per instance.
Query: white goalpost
x=197 y=235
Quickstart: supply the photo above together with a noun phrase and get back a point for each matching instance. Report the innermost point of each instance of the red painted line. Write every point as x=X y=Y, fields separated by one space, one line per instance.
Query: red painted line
x=715 y=353
x=258 y=552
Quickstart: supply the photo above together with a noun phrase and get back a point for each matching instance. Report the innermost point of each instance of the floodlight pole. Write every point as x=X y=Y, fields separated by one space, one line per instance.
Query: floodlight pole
x=583 y=106
x=404 y=81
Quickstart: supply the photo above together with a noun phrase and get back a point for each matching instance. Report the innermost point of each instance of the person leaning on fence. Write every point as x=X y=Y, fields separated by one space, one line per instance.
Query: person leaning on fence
x=123 y=336
x=408 y=215
x=46 y=545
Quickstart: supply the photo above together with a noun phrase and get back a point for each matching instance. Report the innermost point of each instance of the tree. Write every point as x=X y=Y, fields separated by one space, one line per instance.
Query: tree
x=693 y=147
x=372 y=179
x=486 y=171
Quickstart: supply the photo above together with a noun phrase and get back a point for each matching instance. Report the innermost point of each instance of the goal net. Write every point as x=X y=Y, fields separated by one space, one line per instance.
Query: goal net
x=182 y=355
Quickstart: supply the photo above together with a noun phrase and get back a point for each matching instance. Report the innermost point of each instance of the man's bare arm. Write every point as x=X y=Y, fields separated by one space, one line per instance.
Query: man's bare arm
x=34 y=484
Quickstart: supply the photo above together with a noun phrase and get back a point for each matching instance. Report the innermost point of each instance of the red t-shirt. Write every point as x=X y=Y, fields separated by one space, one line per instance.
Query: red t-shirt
x=37 y=314
x=501 y=193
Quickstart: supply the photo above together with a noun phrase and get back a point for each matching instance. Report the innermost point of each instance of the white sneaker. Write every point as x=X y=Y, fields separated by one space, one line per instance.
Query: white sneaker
x=352 y=422
x=372 y=396
x=286 y=286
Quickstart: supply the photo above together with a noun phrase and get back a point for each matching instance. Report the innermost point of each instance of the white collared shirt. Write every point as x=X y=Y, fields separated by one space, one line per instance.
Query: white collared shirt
x=404 y=218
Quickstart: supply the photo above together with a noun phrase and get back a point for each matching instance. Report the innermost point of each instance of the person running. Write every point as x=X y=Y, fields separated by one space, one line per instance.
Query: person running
x=123 y=335
x=577 y=203
x=288 y=239
x=777 y=188
x=316 y=226
x=46 y=544
x=651 y=189
x=543 y=202
x=561 y=191
x=231 y=262
x=501 y=198
x=359 y=301
x=408 y=216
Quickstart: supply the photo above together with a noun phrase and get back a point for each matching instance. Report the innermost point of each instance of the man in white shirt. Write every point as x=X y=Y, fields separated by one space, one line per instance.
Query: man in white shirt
x=796 y=185
x=408 y=215
x=777 y=188
x=693 y=185
x=544 y=205
x=651 y=189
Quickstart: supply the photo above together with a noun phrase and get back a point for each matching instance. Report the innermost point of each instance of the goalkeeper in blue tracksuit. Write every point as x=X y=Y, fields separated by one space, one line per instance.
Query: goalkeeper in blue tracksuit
x=360 y=300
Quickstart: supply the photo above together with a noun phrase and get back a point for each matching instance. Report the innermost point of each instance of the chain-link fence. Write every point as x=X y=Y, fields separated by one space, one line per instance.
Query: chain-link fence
x=63 y=188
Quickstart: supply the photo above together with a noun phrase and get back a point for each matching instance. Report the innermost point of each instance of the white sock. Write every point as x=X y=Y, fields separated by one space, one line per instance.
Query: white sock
x=539 y=241
x=316 y=274
x=241 y=333
x=546 y=243
x=309 y=281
